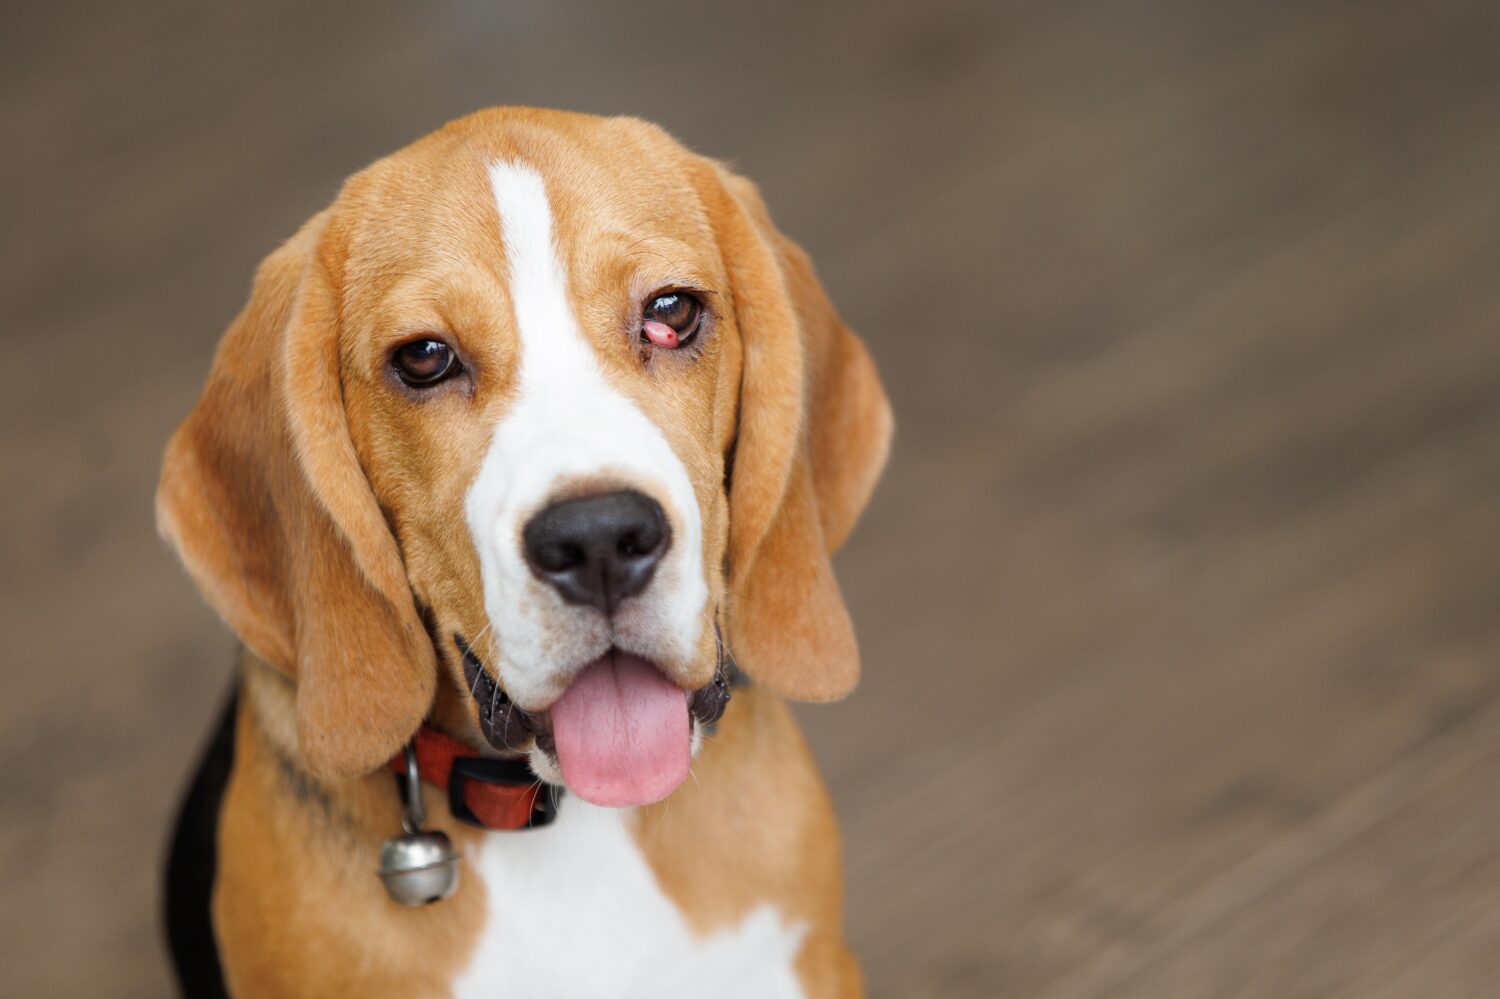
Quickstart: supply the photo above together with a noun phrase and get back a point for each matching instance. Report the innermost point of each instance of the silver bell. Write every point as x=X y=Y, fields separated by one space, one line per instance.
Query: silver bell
x=421 y=866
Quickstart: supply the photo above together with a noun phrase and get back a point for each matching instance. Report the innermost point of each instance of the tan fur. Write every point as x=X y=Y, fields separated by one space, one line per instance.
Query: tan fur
x=297 y=907
x=815 y=429
x=245 y=496
x=318 y=506
x=756 y=815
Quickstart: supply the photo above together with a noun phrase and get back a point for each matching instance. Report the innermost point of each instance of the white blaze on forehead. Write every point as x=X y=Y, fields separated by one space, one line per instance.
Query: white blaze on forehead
x=568 y=424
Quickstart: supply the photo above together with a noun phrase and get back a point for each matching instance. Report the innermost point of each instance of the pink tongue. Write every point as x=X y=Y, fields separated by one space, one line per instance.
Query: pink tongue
x=622 y=733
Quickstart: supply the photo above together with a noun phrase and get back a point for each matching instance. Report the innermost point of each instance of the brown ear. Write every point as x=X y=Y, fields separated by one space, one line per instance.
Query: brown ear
x=814 y=431
x=264 y=498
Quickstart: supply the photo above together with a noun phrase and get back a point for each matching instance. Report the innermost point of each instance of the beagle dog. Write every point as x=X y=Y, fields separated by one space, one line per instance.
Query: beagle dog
x=522 y=453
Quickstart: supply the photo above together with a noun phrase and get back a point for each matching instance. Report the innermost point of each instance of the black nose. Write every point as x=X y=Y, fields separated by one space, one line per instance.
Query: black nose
x=600 y=549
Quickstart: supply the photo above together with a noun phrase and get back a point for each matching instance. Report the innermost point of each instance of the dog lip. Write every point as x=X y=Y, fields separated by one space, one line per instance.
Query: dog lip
x=708 y=702
x=507 y=726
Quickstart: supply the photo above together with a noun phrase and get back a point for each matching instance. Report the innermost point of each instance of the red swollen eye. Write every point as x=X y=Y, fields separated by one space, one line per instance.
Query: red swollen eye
x=671 y=319
x=660 y=333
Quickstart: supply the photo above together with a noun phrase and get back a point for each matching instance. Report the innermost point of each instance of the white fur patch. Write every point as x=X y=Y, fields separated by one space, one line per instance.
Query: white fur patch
x=575 y=910
x=567 y=423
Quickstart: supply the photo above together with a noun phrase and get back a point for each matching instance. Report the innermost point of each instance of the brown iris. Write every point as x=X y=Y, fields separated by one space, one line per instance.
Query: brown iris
x=423 y=363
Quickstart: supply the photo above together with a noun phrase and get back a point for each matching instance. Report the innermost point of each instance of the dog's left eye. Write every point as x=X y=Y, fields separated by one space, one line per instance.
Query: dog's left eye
x=671 y=319
x=423 y=363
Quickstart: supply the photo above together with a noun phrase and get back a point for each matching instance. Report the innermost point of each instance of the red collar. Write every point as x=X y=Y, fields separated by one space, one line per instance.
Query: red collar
x=484 y=792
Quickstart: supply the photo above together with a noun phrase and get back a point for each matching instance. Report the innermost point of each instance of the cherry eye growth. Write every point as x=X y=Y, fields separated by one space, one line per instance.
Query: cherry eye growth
x=671 y=319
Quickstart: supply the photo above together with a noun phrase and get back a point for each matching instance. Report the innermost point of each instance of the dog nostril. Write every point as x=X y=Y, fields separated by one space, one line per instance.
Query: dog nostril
x=556 y=557
x=598 y=550
x=636 y=544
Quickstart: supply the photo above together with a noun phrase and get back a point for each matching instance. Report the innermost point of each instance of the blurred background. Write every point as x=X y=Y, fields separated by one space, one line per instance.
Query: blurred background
x=1179 y=600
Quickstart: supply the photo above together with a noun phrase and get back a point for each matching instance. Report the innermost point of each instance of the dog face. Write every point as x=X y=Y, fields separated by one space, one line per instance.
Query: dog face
x=548 y=396
x=554 y=432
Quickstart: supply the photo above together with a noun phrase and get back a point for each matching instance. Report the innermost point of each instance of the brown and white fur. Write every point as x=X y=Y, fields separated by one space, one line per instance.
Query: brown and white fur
x=345 y=525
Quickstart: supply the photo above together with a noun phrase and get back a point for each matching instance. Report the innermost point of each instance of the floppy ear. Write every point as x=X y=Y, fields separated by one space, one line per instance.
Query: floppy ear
x=264 y=499
x=814 y=430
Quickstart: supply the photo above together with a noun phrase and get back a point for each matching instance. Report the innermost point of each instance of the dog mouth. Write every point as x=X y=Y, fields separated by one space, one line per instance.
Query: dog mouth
x=621 y=733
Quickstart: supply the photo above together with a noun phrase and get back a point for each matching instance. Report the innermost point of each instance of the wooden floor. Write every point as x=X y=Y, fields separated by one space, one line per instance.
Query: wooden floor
x=1181 y=600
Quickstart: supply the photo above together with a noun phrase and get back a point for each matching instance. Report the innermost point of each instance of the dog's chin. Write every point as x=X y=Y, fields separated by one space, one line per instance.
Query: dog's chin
x=620 y=733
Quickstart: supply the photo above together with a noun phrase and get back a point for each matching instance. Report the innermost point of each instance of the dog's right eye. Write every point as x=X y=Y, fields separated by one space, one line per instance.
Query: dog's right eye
x=671 y=319
x=424 y=363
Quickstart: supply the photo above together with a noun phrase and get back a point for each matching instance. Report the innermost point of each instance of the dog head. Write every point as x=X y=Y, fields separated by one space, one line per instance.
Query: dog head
x=543 y=395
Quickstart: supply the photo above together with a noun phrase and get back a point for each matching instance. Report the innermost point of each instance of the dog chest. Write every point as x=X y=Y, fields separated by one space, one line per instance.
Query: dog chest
x=575 y=910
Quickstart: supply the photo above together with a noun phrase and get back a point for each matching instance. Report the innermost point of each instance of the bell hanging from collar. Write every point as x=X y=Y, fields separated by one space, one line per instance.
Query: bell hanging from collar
x=420 y=866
